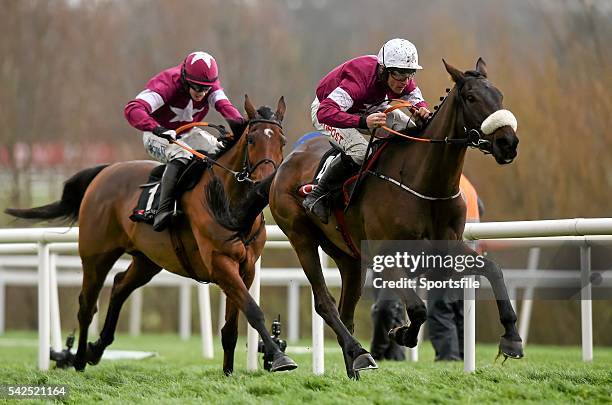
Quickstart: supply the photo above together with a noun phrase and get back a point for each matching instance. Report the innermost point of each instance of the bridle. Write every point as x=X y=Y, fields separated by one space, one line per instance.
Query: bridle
x=474 y=137
x=247 y=169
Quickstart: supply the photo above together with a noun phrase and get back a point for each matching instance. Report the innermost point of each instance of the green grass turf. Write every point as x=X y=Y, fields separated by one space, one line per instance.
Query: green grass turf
x=178 y=374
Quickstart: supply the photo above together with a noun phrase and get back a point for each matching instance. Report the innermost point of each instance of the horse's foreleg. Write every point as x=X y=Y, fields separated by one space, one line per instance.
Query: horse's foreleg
x=229 y=336
x=510 y=344
x=95 y=269
x=139 y=273
x=359 y=358
x=228 y=277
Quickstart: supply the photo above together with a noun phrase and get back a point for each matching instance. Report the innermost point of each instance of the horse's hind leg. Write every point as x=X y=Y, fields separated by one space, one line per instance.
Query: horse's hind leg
x=408 y=335
x=358 y=357
x=139 y=273
x=353 y=278
x=95 y=269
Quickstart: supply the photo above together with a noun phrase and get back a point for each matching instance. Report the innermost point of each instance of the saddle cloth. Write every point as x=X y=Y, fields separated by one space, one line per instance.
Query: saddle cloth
x=148 y=202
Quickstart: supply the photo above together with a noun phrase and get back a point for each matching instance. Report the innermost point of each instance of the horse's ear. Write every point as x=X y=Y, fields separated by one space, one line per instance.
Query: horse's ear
x=280 y=109
x=457 y=75
x=481 y=67
x=249 y=108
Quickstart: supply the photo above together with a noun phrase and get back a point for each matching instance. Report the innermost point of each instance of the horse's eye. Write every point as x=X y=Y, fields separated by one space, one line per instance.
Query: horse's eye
x=283 y=140
x=250 y=140
x=471 y=98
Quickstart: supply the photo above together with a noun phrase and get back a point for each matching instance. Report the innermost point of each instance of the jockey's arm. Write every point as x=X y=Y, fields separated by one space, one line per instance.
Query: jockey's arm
x=138 y=111
x=333 y=109
x=219 y=100
x=415 y=97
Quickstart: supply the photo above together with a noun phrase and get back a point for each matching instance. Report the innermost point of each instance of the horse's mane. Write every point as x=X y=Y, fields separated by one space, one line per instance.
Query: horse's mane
x=475 y=74
x=237 y=218
x=263 y=112
x=266 y=113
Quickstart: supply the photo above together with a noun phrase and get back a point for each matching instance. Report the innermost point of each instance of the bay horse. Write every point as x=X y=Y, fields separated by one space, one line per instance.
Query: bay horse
x=413 y=197
x=202 y=245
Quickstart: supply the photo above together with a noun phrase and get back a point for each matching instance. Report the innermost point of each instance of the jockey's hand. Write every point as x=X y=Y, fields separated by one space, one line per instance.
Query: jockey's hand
x=423 y=113
x=376 y=120
x=167 y=134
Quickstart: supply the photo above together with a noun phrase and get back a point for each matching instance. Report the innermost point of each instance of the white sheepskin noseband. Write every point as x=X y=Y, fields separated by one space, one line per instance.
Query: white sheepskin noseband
x=498 y=119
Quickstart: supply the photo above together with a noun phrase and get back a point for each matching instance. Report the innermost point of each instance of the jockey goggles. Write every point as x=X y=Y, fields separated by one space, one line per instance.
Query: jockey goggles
x=198 y=88
x=402 y=75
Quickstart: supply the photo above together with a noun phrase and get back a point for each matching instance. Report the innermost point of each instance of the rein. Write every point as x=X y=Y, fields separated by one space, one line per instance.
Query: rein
x=473 y=137
x=247 y=169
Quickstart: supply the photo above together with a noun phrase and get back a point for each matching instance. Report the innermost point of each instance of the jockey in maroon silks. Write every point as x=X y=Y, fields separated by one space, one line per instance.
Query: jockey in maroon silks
x=343 y=98
x=175 y=97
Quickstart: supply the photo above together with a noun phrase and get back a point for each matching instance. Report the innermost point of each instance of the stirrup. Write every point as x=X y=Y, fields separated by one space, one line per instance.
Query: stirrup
x=162 y=220
x=309 y=205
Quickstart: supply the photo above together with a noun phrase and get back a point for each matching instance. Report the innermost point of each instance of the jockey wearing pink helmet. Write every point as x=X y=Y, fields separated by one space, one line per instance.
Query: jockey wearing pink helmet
x=177 y=96
x=199 y=70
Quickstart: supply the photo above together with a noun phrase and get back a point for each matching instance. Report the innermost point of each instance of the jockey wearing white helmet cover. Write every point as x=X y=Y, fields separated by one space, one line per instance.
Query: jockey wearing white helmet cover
x=343 y=98
x=177 y=96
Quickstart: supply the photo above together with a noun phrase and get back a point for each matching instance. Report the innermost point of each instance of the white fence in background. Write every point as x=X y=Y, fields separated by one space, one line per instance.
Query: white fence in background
x=48 y=243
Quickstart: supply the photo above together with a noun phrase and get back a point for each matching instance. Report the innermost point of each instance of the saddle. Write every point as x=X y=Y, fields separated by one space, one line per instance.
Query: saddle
x=148 y=202
x=339 y=198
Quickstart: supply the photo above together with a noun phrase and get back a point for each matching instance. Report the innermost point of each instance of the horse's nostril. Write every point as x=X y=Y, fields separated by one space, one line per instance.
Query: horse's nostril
x=503 y=143
x=507 y=143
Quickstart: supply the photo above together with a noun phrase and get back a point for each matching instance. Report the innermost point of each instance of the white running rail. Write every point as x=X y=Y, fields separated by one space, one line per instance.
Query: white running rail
x=46 y=241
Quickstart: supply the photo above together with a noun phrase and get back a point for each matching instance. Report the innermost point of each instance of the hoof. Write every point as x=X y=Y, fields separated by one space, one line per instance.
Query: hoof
x=79 y=365
x=510 y=349
x=283 y=363
x=94 y=354
x=403 y=336
x=364 y=362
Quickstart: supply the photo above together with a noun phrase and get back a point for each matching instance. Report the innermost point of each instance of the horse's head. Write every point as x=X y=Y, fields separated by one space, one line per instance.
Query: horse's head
x=482 y=114
x=259 y=151
x=263 y=140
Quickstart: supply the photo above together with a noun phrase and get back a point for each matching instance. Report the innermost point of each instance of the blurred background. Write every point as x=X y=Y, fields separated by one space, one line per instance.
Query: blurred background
x=68 y=67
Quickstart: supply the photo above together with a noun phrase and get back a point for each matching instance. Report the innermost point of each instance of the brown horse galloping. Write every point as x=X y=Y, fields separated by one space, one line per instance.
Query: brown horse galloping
x=221 y=240
x=417 y=200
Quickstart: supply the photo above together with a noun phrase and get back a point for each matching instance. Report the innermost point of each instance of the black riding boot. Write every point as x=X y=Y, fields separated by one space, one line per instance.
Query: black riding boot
x=316 y=202
x=174 y=168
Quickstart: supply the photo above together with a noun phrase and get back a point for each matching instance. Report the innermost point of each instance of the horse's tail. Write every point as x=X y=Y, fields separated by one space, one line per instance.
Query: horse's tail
x=237 y=218
x=68 y=206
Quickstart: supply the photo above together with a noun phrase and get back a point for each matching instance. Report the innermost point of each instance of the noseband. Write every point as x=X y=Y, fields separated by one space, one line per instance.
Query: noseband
x=475 y=136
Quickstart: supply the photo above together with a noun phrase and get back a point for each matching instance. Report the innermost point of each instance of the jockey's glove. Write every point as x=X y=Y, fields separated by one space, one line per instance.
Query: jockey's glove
x=399 y=121
x=167 y=134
